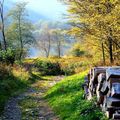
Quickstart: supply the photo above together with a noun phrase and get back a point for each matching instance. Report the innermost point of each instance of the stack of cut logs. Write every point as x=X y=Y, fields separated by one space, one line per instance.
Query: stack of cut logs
x=104 y=83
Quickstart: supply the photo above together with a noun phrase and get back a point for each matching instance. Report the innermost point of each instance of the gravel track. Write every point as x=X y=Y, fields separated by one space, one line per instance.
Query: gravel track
x=12 y=110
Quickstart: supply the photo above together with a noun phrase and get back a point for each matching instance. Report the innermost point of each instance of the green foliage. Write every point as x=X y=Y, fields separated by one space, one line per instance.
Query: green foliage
x=30 y=108
x=3 y=71
x=66 y=65
x=69 y=70
x=13 y=81
x=10 y=86
x=47 y=67
x=19 y=33
x=96 y=24
x=76 y=52
x=75 y=67
x=66 y=98
x=7 y=56
x=56 y=66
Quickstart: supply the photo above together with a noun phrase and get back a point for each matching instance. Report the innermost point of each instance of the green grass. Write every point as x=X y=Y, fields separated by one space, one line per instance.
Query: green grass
x=66 y=99
x=10 y=86
x=29 y=107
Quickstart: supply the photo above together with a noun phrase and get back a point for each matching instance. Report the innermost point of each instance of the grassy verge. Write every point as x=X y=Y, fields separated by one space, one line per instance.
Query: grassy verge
x=66 y=99
x=9 y=87
x=13 y=83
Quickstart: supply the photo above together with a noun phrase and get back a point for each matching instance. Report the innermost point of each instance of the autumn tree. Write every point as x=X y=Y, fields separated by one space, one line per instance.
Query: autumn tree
x=96 y=21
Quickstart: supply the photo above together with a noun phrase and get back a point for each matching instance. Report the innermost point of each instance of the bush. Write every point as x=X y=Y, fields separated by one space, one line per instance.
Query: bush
x=68 y=70
x=48 y=68
x=77 y=67
x=67 y=65
x=7 y=56
x=4 y=71
x=77 y=52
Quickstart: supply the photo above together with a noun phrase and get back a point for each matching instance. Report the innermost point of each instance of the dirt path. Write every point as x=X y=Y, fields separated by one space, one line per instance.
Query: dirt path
x=31 y=105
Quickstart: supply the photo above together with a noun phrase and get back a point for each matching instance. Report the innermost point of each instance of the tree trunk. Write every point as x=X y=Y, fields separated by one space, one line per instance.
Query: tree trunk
x=58 y=45
x=110 y=40
x=103 y=52
x=110 y=49
x=49 y=45
x=0 y=46
x=47 y=54
x=59 y=48
x=3 y=26
x=20 y=36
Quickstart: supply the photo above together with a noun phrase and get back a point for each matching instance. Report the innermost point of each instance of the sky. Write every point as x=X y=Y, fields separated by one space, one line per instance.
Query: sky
x=51 y=9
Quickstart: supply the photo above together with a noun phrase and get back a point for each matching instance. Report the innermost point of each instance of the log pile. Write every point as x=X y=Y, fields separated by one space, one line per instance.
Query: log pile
x=104 y=83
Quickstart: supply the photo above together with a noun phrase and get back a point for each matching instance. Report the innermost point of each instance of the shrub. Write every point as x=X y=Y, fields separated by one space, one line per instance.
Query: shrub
x=68 y=70
x=77 y=52
x=48 y=68
x=67 y=65
x=7 y=56
x=4 y=71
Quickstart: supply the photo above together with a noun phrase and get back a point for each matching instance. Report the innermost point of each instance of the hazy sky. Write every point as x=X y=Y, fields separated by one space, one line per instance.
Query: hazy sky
x=52 y=9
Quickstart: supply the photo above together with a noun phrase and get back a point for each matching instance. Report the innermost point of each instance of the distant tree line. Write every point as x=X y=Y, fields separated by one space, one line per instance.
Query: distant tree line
x=51 y=39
